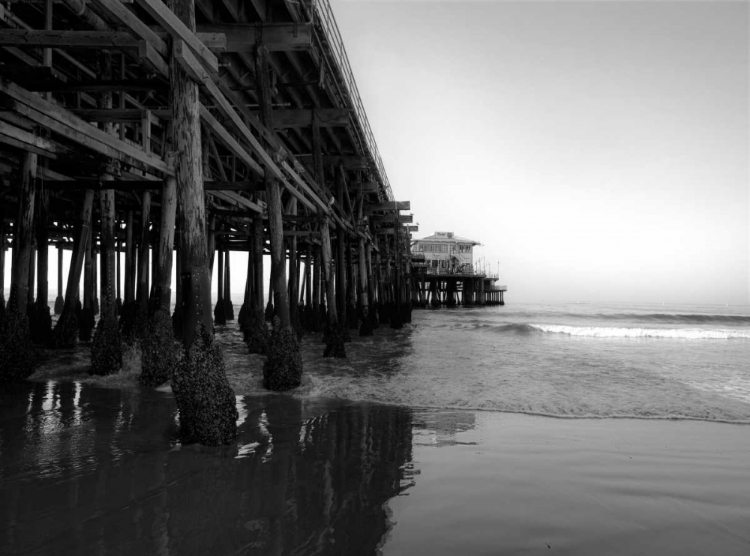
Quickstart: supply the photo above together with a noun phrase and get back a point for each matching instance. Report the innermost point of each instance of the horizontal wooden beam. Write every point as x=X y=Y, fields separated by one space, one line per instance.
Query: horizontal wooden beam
x=269 y=166
x=388 y=206
x=392 y=218
x=96 y=86
x=22 y=139
x=348 y=162
x=145 y=185
x=226 y=139
x=69 y=39
x=180 y=32
x=238 y=200
x=282 y=118
x=274 y=36
x=133 y=24
x=367 y=187
x=215 y=185
x=301 y=233
x=120 y=114
x=70 y=126
x=324 y=117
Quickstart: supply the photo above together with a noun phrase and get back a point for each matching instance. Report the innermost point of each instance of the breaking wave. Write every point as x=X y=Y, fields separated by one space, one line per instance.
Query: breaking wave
x=618 y=332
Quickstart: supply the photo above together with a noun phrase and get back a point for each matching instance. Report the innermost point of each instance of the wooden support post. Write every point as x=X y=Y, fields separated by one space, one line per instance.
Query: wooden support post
x=129 y=261
x=220 y=307
x=108 y=252
x=335 y=340
x=351 y=282
x=293 y=277
x=64 y=335
x=177 y=315
x=106 y=349
x=316 y=293
x=94 y=276
x=86 y=322
x=166 y=244
x=482 y=299
x=396 y=317
x=372 y=288
x=228 y=306
x=208 y=420
x=308 y=277
x=341 y=276
x=32 y=273
x=118 y=269
x=42 y=248
x=211 y=234
x=278 y=261
x=2 y=262
x=41 y=321
x=366 y=327
x=257 y=250
x=144 y=257
x=23 y=243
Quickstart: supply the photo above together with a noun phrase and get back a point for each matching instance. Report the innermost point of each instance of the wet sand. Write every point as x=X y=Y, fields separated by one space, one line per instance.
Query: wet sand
x=87 y=470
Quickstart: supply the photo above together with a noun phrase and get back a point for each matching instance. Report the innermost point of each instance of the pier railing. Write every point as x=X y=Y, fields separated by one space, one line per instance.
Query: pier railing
x=327 y=33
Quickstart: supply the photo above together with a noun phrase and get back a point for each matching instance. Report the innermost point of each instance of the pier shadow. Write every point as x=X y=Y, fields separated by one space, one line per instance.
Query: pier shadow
x=87 y=470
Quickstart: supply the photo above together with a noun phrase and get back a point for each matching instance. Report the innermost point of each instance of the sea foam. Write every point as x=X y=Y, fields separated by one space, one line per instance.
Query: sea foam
x=617 y=332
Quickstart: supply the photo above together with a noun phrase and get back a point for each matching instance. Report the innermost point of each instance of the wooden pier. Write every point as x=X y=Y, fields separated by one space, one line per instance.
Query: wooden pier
x=169 y=135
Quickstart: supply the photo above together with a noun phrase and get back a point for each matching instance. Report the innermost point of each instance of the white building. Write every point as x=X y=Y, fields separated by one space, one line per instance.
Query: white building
x=445 y=252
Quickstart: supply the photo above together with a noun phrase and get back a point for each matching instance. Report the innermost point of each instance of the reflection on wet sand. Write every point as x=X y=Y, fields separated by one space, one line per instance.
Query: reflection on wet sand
x=86 y=470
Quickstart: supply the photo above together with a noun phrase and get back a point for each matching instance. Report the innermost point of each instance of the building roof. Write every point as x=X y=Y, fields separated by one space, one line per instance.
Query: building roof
x=448 y=237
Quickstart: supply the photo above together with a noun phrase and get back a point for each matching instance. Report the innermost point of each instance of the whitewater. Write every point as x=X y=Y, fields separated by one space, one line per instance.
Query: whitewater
x=567 y=361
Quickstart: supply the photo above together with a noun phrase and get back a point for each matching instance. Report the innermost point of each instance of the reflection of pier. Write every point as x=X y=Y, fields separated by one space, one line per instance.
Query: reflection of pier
x=88 y=470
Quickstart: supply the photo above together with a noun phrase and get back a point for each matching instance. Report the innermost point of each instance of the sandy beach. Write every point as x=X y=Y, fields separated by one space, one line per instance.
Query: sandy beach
x=85 y=469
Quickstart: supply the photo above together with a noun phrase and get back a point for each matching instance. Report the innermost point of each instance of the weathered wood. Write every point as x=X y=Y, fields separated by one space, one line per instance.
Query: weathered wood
x=219 y=315
x=142 y=293
x=19 y=294
x=387 y=206
x=2 y=260
x=191 y=221
x=221 y=133
x=327 y=263
x=257 y=252
x=80 y=248
x=324 y=117
x=129 y=260
x=108 y=252
x=73 y=128
x=293 y=275
x=118 y=40
x=392 y=218
x=275 y=37
x=166 y=244
x=133 y=24
x=228 y=306
x=363 y=279
x=179 y=31
x=42 y=247
x=316 y=271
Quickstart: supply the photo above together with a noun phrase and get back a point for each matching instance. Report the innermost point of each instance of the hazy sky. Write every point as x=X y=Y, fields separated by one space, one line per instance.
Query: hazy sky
x=598 y=150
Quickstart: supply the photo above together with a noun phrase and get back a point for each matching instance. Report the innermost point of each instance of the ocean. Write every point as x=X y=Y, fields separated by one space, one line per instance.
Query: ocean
x=572 y=360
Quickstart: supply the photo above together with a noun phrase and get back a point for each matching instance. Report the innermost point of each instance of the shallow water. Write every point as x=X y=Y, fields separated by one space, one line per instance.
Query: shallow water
x=86 y=470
